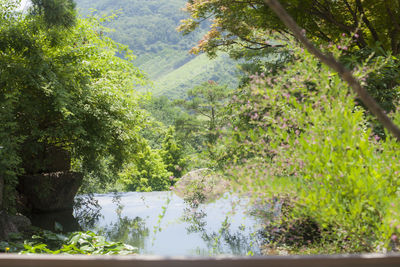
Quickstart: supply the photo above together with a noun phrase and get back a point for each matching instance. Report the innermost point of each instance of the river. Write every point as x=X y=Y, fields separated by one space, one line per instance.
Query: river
x=161 y=223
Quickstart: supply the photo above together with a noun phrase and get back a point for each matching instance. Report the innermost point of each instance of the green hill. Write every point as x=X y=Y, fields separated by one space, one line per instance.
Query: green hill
x=194 y=72
x=148 y=28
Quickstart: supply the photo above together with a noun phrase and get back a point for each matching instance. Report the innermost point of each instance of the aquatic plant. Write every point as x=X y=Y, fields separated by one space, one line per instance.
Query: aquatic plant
x=76 y=243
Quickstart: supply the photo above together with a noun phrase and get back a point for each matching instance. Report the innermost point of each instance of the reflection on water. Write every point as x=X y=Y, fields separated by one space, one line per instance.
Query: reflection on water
x=56 y=221
x=162 y=223
x=87 y=211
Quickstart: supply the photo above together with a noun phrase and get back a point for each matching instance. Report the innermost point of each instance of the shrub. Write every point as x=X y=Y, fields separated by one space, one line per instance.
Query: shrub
x=300 y=133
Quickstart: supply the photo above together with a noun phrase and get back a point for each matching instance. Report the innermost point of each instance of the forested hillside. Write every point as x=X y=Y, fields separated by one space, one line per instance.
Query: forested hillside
x=148 y=27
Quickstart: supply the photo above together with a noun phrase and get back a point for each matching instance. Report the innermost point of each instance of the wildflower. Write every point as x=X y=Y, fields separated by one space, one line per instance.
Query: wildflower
x=7 y=249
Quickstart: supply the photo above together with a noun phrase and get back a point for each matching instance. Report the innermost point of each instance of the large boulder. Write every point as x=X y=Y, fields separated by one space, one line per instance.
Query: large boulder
x=49 y=192
x=45 y=159
x=12 y=224
x=6 y=225
x=201 y=186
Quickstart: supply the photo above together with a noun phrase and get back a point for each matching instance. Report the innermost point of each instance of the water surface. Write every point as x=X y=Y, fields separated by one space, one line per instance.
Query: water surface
x=162 y=223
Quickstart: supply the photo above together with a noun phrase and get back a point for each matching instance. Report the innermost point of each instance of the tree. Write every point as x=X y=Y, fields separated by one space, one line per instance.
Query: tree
x=205 y=101
x=173 y=154
x=146 y=171
x=247 y=23
x=63 y=85
x=250 y=29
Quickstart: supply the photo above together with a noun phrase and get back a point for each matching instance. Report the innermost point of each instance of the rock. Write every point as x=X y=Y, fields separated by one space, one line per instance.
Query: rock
x=49 y=191
x=201 y=185
x=12 y=224
x=6 y=225
x=21 y=222
x=46 y=159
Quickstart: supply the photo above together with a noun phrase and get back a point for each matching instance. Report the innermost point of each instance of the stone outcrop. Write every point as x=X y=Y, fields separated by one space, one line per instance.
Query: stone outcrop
x=202 y=185
x=6 y=226
x=49 y=192
x=48 y=184
x=46 y=159
x=12 y=224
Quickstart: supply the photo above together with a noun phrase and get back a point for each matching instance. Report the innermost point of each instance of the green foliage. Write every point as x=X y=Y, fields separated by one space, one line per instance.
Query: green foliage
x=206 y=101
x=175 y=82
x=76 y=243
x=248 y=29
x=299 y=134
x=36 y=241
x=72 y=92
x=163 y=110
x=145 y=26
x=149 y=29
x=173 y=154
x=245 y=23
x=55 y=12
x=146 y=172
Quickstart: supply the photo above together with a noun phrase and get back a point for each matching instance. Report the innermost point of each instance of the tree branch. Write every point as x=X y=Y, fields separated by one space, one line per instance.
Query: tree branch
x=345 y=74
x=395 y=31
x=366 y=21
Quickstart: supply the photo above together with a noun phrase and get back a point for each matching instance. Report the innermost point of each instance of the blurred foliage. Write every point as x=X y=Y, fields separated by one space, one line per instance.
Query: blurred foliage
x=299 y=135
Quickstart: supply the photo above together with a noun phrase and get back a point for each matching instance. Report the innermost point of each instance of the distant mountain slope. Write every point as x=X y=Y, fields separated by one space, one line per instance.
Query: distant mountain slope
x=194 y=72
x=148 y=27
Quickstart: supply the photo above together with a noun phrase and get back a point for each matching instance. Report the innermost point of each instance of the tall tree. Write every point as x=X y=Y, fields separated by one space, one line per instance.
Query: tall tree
x=205 y=101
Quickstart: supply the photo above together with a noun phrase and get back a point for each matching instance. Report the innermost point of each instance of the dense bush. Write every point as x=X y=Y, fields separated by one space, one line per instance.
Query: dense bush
x=64 y=87
x=300 y=134
x=146 y=172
